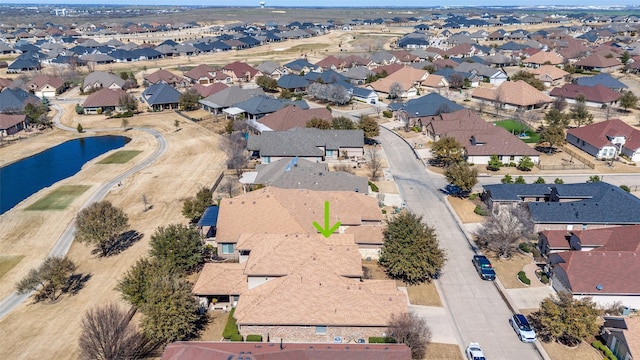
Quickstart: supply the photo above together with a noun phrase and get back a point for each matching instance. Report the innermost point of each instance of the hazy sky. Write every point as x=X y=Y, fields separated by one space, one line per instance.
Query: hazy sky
x=333 y=3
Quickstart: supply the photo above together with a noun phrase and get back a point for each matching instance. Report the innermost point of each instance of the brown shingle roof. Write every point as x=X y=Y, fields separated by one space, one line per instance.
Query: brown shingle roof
x=197 y=350
x=104 y=97
x=588 y=269
x=542 y=57
x=598 y=93
x=557 y=238
x=290 y=211
x=598 y=61
x=407 y=77
x=207 y=90
x=598 y=134
x=162 y=75
x=517 y=93
x=43 y=80
x=221 y=279
x=7 y=120
x=200 y=71
x=291 y=117
x=315 y=295
x=554 y=72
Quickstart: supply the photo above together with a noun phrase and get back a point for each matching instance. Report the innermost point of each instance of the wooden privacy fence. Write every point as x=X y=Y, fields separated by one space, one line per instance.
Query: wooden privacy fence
x=584 y=163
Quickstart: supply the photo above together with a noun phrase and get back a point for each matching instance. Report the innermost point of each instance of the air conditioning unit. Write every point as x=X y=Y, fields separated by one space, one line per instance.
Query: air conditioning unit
x=337 y=339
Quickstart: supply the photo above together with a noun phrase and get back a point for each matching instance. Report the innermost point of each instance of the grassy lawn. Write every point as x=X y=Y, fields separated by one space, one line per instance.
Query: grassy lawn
x=120 y=157
x=438 y=351
x=7 y=263
x=213 y=331
x=60 y=198
x=516 y=128
x=507 y=269
x=558 y=351
x=424 y=294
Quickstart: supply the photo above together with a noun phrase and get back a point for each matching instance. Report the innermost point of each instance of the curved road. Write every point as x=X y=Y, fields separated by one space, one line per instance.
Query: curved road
x=476 y=310
x=63 y=244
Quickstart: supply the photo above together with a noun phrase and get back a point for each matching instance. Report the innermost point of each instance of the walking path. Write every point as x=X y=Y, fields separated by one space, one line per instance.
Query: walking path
x=8 y=304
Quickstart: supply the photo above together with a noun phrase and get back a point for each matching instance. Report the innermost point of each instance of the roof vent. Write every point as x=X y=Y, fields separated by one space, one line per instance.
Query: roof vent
x=599 y=287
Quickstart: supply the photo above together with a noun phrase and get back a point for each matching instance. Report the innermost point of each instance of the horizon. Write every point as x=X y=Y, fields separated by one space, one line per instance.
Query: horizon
x=409 y=4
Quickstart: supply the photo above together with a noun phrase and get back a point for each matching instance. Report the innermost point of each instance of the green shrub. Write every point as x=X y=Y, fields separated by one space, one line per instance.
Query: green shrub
x=597 y=344
x=523 y=277
x=236 y=337
x=625 y=188
x=473 y=196
x=387 y=114
x=79 y=128
x=373 y=186
x=480 y=211
x=524 y=247
x=256 y=338
x=535 y=252
x=230 y=329
x=544 y=279
x=79 y=110
x=381 y=340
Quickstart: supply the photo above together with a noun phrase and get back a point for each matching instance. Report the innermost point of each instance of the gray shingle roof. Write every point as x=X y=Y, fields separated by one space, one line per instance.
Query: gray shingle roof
x=588 y=203
x=304 y=141
x=160 y=94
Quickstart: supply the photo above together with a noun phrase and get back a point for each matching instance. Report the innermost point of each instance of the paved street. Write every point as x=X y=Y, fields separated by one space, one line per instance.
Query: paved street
x=476 y=310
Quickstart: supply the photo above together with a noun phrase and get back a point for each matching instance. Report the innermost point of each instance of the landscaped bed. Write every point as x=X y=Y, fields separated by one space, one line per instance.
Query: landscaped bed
x=525 y=133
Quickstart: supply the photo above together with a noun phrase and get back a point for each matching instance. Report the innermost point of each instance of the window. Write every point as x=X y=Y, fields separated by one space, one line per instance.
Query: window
x=329 y=152
x=227 y=249
x=321 y=330
x=266 y=159
x=511 y=158
x=584 y=226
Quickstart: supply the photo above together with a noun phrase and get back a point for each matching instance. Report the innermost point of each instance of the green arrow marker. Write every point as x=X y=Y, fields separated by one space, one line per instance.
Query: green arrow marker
x=326 y=231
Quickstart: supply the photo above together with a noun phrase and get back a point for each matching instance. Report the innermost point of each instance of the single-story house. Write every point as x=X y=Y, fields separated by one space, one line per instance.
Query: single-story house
x=479 y=138
x=621 y=335
x=550 y=75
x=228 y=97
x=101 y=80
x=103 y=101
x=598 y=62
x=409 y=78
x=624 y=238
x=513 y=95
x=594 y=96
x=567 y=206
x=607 y=139
x=11 y=124
x=307 y=143
x=161 y=96
x=44 y=86
x=289 y=117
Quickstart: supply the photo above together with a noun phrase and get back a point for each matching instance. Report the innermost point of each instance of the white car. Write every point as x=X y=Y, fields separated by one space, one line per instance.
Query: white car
x=474 y=352
x=522 y=327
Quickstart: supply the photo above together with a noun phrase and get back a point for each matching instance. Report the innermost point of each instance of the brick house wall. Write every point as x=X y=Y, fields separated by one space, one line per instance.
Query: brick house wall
x=294 y=333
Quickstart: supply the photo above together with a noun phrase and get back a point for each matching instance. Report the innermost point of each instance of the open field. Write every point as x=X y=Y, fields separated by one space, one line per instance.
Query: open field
x=120 y=157
x=59 y=198
x=7 y=262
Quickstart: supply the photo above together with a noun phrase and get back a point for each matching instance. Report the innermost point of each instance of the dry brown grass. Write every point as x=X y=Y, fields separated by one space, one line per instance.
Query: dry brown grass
x=424 y=294
x=507 y=269
x=558 y=351
x=373 y=270
x=213 y=331
x=438 y=351
x=464 y=208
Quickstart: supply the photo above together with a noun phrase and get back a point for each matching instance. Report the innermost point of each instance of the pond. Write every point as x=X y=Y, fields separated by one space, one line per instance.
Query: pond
x=24 y=178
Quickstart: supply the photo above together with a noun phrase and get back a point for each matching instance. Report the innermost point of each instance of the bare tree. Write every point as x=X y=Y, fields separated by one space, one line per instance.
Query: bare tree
x=501 y=232
x=235 y=147
x=395 y=90
x=108 y=334
x=375 y=162
x=228 y=186
x=412 y=330
x=338 y=95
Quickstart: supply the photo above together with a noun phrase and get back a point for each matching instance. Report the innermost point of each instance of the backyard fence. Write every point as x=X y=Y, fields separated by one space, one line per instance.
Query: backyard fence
x=583 y=163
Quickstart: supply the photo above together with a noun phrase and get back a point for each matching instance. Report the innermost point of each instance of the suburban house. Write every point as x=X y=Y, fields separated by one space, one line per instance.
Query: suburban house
x=598 y=274
x=271 y=69
x=289 y=117
x=479 y=138
x=304 y=174
x=166 y=76
x=258 y=106
x=550 y=75
x=44 y=86
x=15 y=99
x=409 y=78
x=543 y=58
x=603 y=79
x=621 y=335
x=293 y=82
x=241 y=72
x=414 y=111
x=494 y=76
x=567 y=206
x=101 y=80
x=11 y=124
x=195 y=350
x=208 y=90
x=594 y=96
x=618 y=238
x=307 y=143
x=103 y=101
x=607 y=139
x=598 y=62
x=323 y=274
x=161 y=96
x=296 y=210
x=202 y=74
x=228 y=97
x=512 y=95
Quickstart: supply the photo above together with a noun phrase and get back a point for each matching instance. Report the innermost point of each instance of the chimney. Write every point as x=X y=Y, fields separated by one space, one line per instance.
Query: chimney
x=281 y=347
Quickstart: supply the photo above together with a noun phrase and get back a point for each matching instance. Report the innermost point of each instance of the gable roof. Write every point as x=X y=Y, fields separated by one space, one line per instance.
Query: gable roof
x=599 y=134
x=304 y=141
x=407 y=77
x=160 y=94
x=221 y=279
x=290 y=117
x=598 y=61
x=428 y=105
x=263 y=104
x=518 y=93
x=240 y=69
x=104 y=97
x=305 y=174
x=9 y=120
x=43 y=80
x=542 y=57
x=292 y=81
x=230 y=96
x=553 y=72
x=599 y=272
x=162 y=75
x=582 y=203
x=102 y=79
x=208 y=90
x=601 y=79
x=200 y=71
x=16 y=99
x=290 y=211
x=597 y=94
